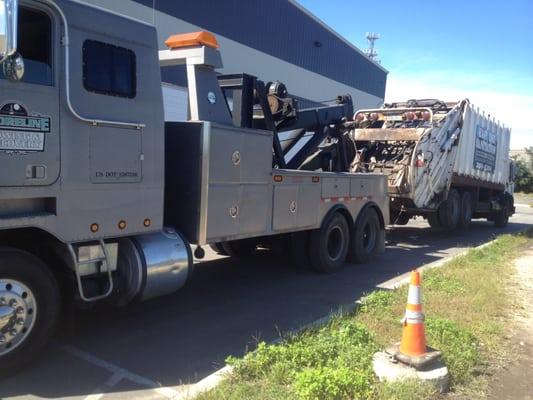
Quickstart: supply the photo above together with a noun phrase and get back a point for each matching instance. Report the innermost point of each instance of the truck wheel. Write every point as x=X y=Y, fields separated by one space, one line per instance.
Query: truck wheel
x=218 y=248
x=465 y=217
x=239 y=248
x=434 y=220
x=450 y=210
x=502 y=217
x=367 y=238
x=29 y=308
x=328 y=246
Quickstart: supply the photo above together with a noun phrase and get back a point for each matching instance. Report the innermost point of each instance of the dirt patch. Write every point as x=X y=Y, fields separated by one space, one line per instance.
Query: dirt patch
x=516 y=381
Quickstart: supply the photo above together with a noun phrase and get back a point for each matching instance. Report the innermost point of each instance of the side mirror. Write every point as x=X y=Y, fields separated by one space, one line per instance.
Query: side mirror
x=8 y=28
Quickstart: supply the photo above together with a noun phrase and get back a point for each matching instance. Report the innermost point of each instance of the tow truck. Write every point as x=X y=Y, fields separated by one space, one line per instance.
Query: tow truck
x=100 y=199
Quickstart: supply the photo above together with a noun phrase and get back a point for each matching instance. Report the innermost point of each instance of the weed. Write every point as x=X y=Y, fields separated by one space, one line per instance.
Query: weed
x=459 y=347
x=451 y=285
x=382 y=299
x=334 y=383
x=406 y=390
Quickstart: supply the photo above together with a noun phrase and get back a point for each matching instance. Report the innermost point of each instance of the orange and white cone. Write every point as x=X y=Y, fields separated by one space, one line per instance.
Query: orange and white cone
x=411 y=358
x=413 y=336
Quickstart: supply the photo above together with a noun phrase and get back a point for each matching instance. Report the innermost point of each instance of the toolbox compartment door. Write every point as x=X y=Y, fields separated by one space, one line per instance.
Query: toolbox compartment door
x=334 y=187
x=295 y=206
x=218 y=181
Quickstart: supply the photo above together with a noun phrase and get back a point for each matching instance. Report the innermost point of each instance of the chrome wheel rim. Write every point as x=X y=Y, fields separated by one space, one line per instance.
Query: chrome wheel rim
x=18 y=311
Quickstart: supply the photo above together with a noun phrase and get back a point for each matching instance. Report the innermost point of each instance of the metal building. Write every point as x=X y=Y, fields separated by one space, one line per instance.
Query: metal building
x=273 y=40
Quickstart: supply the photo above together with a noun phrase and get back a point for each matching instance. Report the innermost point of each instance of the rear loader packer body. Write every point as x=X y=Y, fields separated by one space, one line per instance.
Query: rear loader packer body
x=448 y=162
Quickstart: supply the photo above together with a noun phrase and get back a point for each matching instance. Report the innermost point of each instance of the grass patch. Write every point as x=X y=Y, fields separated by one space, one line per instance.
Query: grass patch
x=333 y=362
x=466 y=305
x=407 y=390
x=459 y=346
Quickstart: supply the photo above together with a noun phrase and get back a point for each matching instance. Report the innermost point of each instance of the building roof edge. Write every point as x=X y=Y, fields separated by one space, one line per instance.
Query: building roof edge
x=334 y=32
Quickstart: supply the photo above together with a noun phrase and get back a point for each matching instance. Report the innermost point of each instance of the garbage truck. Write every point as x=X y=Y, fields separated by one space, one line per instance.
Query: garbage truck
x=445 y=161
x=100 y=199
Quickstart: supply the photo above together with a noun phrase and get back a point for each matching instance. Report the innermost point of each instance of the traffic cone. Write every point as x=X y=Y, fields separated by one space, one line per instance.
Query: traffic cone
x=411 y=358
x=413 y=336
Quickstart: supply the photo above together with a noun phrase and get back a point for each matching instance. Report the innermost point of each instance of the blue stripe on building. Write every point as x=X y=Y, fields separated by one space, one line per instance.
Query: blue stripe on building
x=282 y=30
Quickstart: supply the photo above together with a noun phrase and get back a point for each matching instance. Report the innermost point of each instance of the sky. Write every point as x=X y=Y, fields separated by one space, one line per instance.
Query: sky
x=453 y=49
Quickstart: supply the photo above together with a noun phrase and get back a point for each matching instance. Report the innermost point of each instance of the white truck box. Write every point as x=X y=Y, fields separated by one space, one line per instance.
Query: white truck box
x=483 y=148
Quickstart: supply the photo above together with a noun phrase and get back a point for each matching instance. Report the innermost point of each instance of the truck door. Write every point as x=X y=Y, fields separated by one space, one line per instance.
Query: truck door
x=29 y=108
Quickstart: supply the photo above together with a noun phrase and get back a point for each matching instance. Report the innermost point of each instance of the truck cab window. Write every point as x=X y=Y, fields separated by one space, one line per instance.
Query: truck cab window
x=35 y=46
x=109 y=69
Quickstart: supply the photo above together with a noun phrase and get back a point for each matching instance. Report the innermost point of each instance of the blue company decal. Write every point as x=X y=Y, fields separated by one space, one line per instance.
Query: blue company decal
x=21 y=131
x=485 y=149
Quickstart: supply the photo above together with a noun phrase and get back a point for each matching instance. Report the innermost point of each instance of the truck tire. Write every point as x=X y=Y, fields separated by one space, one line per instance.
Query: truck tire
x=242 y=248
x=465 y=216
x=434 y=220
x=328 y=246
x=450 y=211
x=367 y=237
x=501 y=218
x=29 y=308
x=218 y=248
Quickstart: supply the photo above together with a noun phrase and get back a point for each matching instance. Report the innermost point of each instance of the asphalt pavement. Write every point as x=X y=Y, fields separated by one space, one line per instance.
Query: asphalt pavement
x=155 y=349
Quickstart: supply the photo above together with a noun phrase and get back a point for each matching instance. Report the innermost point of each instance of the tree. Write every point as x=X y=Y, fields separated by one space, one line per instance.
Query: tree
x=529 y=155
x=524 y=173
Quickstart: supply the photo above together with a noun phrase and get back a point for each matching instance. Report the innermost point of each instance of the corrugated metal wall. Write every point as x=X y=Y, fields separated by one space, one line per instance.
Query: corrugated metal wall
x=483 y=151
x=281 y=29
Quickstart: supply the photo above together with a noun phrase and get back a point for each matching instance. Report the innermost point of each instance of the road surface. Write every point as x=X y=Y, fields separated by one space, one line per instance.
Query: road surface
x=230 y=305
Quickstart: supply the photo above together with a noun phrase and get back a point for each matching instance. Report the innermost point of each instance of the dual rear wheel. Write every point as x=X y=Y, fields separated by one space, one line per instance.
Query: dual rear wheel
x=336 y=241
x=326 y=249
x=455 y=212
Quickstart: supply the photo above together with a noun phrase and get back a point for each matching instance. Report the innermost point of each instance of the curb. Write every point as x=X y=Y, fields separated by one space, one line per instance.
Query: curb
x=213 y=380
x=206 y=384
x=403 y=279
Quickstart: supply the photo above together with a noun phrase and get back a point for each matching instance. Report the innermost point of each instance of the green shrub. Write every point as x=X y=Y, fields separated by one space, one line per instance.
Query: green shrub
x=333 y=384
x=324 y=358
x=524 y=173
